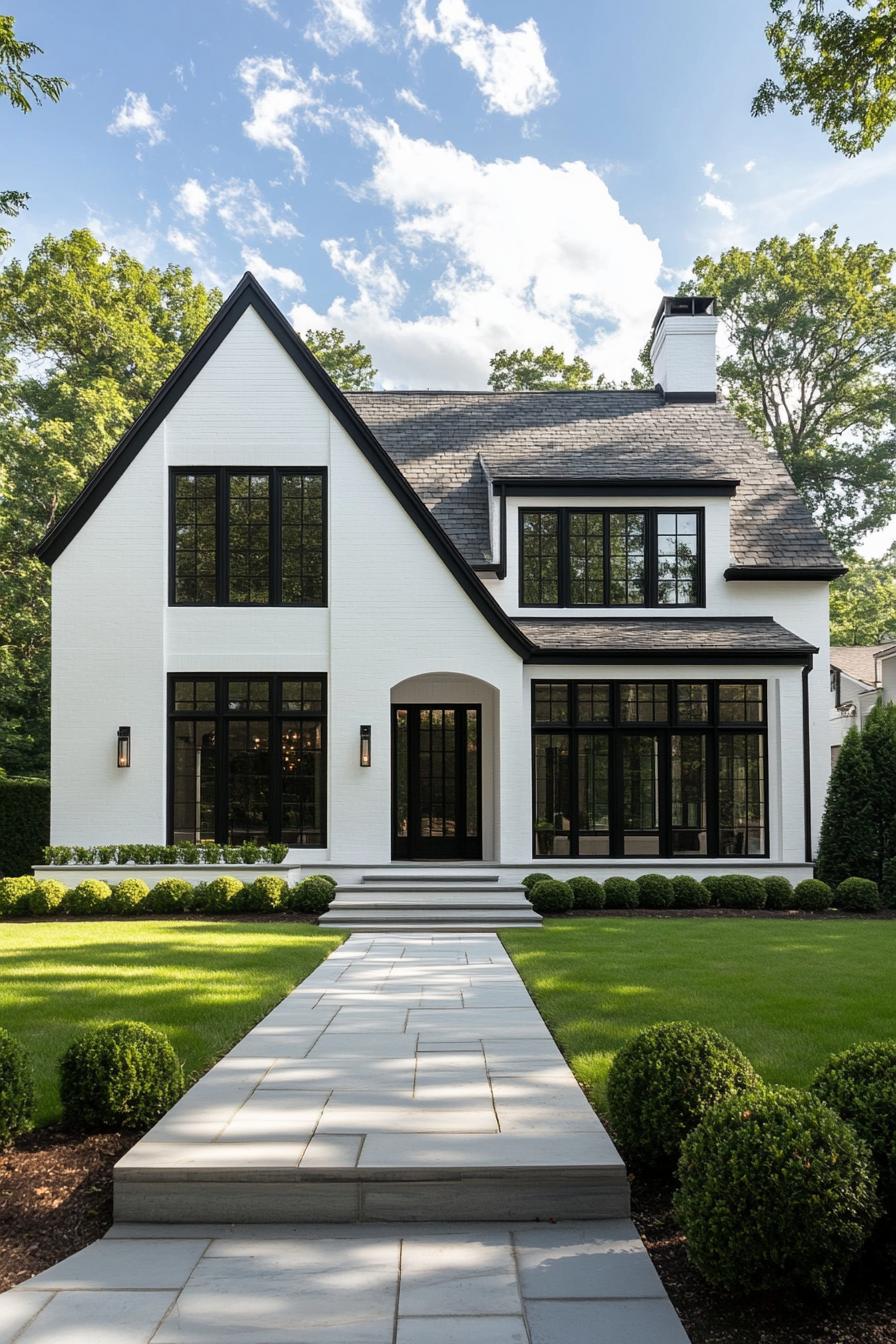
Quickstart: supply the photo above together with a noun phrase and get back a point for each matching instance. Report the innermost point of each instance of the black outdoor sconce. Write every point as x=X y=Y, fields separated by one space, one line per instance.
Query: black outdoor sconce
x=124 y=747
x=365 y=743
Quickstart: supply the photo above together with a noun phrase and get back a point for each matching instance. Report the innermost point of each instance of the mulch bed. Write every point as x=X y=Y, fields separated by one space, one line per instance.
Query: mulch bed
x=864 y=1314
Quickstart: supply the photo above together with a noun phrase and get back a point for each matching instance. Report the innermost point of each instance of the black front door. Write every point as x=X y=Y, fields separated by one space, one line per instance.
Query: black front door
x=436 y=782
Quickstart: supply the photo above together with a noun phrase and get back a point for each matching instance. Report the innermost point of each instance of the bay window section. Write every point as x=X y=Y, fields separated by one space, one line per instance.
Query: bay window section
x=638 y=769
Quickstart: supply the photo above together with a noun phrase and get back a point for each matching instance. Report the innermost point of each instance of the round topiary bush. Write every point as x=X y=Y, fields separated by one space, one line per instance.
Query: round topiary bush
x=90 y=897
x=812 y=894
x=711 y=884
x=860 y=1085
x=663 y=1081
x=775 y=1192
x=13 y=890
x=124 y=1075
x=219 y=895
x=689 y=894
x=586 y=893
x=859 y=894
x=778 y=893
x=551 y=897
x=46 y=897
x=171 y=896
x=655 y=891
x=621 y=893
x=325 y=877
x=261 y=896
x=532 y=879
x=127 y=896
x=736 y=891
x=16 y=1089
x=311 y=896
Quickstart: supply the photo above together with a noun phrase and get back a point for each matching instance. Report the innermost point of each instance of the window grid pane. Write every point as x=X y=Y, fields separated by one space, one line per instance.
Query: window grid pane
x=195 y=538
x=688 y=752
x=586 y=559
x=676 y=559
x=644 y=701
x=627 y=559
x=249 y=539
x=593 y=702
x=552 y=793
x=193 y=772
x=540 y=557
x=302 y=538
x=692 y=700
x=551 y=702
x=741 y=702
x=301 y=782
x=741 y=794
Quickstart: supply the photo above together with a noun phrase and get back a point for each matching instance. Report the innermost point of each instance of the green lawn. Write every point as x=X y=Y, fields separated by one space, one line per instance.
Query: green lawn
x=789 y=994
x=203 y=984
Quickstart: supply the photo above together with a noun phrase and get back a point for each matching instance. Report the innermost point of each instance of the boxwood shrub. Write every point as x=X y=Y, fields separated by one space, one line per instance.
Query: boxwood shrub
x=860 y=1085
x=127 y=896
x=711 y=883
x=218 y=896
x=812 y=894
x=551 y=897
x=261 y=896
x=663 y=1081
x=312 y=896
x=775 y=1192
x=16 y=1089
x=171 y=896
x=621 y=893
x=737 y=891
x=532 y=879
x=326 y=877
x=43 y=899
x=655 y=891
x=90 y=897
x=689 y=894
x=124 y=1075
x=586 y=893
x=13 y=890
x=778 y=893
x=859 y=894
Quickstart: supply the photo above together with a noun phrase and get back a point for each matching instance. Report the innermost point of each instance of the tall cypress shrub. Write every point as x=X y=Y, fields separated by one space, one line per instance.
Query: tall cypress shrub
x=879 y=744
x=846 y=847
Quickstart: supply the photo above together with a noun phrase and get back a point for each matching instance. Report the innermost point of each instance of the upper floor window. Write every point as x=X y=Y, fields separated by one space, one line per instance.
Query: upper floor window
x=248 y=538
x=611 y=557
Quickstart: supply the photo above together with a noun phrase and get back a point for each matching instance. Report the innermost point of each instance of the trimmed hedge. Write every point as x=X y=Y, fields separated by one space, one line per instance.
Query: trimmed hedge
x=778 y=893
x=24 y=823
x=261 y=896
x=735 y=891
x=587 y=894
x=532 y=879
x=811 y=894
x=655 y=891
x=859 y=894
x=16 y=1089
x=663 y=1081
x=551 y=897
x=312 y=895
x=775 y=1192
x=144 y=855
x=860 y=1085
x=621 y=893
x=689 y=894
x=124 y=1075
x=711 y=883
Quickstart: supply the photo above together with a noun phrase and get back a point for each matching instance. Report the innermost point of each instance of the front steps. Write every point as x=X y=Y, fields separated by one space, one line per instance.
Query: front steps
x=448 y=902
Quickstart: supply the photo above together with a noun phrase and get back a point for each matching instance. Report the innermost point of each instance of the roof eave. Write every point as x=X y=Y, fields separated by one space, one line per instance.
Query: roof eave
x=788 y=573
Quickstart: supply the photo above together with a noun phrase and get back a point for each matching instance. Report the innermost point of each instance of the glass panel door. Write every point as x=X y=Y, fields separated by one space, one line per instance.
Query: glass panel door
x=436 y=782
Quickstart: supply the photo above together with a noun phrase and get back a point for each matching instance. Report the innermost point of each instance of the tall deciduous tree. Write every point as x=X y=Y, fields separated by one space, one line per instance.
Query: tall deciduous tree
x=526 y=371
x=347 y=362
x=87 y=336
x=863 y=602
x=837 y=65
x=24 y=88
x=812 y=325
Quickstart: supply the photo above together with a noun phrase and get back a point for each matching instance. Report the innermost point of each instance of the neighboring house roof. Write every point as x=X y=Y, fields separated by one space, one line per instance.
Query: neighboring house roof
x=663 y=638
x=438 y=438
x=858 y=661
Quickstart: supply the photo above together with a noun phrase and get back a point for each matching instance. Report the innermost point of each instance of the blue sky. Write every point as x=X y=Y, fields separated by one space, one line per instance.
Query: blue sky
x=439 y=177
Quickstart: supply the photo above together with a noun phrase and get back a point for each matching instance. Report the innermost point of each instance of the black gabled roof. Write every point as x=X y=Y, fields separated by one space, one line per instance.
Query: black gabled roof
x=664 y=639
x=249 y=294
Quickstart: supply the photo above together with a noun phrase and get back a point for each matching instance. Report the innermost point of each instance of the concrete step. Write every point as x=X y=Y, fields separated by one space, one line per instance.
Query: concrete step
x=367 y=899
x=402 y=909
x=429 y=876
x=421 y=926
x=375 y=890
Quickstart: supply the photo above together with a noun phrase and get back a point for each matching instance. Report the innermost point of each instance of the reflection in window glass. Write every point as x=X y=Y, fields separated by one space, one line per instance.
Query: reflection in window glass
x=640 y=793
x=302 y=538
x=195 y=538
x=551 y=702
x=301 y=782
x=688 y=752
x=248 y=779
x=250 y=694
x=193 y=781
x=586 y=559
x=552 y=793
x=644 y=701
x=741 y=794
x=594 y=783
x=741 y=702
x=692 y=699
x=676 y=557
x=627 y=569
x=249 y=539
x=540 y=541
x=593 y=702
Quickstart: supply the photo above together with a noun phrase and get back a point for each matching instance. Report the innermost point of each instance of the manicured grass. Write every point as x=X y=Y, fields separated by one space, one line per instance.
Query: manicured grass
x=789 y=994
x=203 y=984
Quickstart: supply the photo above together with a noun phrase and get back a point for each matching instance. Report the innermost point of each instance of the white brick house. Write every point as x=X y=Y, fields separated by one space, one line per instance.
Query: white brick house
x=587 y=628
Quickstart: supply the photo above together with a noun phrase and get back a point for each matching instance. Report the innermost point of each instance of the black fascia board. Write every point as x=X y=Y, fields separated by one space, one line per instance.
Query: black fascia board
x=785 y=573
x=611 y=485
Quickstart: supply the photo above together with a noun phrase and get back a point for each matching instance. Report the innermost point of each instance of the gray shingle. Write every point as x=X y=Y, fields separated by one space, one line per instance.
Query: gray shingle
x=435 y=439
x=676 y=634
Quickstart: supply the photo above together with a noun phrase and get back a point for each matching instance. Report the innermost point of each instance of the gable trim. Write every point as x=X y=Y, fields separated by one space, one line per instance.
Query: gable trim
x=249 y=294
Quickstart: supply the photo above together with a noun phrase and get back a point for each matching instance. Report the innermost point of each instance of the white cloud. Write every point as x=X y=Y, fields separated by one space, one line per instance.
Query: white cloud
x=713 y=202
x=335 y=24
x=509 y=66
x=410 y=98
x=245 y=214
x=749 y=165
x=136 y=114
x=267 y=274
x=184 y=242
x=524 y=253
x=278 y=97
x=268 y=7
x=192 y=199
x=709 y=170
x=140 y=243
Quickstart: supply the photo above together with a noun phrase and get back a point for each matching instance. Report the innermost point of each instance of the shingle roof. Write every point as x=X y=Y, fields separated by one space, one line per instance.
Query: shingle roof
x=436 y=440
x=691 y=635
x=858 y=660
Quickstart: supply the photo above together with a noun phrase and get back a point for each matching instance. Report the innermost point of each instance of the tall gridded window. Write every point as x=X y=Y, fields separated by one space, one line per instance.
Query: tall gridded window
x=640 y=769
x=247 y=759
x=248 y=537
x=611 y=557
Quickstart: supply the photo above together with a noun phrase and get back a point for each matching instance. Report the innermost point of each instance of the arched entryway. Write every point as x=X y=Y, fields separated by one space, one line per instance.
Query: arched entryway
x=444 y=769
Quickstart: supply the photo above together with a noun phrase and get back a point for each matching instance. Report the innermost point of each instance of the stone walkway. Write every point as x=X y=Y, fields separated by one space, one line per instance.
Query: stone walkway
x=365 y=1167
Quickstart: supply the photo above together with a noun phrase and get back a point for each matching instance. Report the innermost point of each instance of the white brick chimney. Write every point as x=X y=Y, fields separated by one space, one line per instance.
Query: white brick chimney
x=683 y=349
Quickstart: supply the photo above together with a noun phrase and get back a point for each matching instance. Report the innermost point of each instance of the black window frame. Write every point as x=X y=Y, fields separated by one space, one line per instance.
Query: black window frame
x=712 y=729
x=651 y=559
x=222 y=476
x=275 y=715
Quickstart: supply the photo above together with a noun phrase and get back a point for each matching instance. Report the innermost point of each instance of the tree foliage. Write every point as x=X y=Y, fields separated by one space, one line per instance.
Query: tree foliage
x=812 y=325
x=347 y=362
x=837 y=65
x=863 y=602
x=858 y=830
x=24 y=88
x=87 y=337
x=548 y=371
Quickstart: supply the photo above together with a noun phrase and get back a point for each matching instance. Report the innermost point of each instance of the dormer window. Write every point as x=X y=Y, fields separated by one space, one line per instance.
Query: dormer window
x=611 y=558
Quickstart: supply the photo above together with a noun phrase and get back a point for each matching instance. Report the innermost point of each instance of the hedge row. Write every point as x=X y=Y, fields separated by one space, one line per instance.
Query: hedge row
x=24 y=823
x=148 y=854
x=776 y=1188
x=654 y=891
x=172 y=896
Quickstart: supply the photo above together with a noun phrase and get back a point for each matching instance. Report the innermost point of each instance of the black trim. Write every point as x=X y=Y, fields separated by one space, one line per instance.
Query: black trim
x=611 y=485
x=820 y=573
x=413 y=847
x=249 y=294
x=690 y=398
x=668 y=656
x=807 y=766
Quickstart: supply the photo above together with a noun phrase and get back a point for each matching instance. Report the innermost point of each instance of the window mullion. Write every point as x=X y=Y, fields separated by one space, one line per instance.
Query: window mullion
x=563 y=564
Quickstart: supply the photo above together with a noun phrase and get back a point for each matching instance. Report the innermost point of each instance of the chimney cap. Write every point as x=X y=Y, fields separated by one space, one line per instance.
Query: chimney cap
x=685 y=305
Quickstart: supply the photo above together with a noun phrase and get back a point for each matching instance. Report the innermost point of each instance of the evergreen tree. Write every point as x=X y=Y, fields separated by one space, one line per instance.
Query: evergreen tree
x=879 y=746
x=847 y=847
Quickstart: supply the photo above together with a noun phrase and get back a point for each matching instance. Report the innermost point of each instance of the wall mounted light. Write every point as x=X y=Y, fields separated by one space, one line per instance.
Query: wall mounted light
x=365 y=743
x=124 y=747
